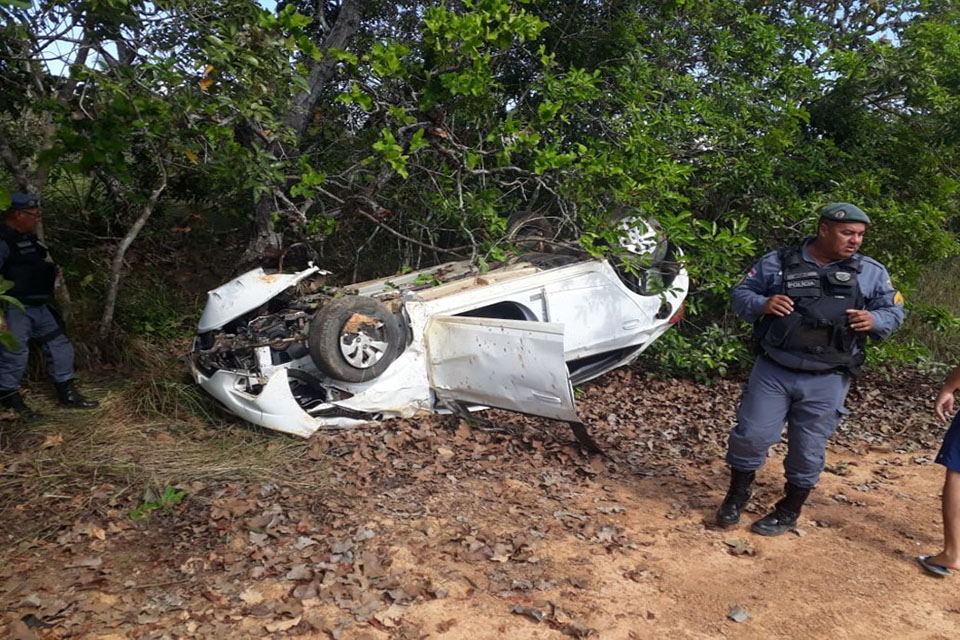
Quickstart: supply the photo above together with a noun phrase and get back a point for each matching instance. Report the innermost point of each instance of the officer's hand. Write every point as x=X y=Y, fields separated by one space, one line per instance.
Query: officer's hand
x=860 y=319
x=944 y=404
x=778 y=305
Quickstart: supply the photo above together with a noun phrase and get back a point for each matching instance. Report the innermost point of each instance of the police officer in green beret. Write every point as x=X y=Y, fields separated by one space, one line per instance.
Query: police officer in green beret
x=813 y=306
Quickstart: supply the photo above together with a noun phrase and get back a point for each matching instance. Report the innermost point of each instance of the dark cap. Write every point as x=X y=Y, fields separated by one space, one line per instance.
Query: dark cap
x=843 y=212
x=24 y=201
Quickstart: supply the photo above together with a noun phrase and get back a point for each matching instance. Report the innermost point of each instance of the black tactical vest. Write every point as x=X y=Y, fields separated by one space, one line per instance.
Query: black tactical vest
x=27 y=267
x=818 y=329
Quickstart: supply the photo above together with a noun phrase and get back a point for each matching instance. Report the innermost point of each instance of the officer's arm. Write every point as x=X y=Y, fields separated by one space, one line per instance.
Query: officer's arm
x=748 y=297
x=4 y=253
x=883 y=301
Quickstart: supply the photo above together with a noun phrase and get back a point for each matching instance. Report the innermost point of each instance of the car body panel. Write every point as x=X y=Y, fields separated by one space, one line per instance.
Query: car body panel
x=508 y=364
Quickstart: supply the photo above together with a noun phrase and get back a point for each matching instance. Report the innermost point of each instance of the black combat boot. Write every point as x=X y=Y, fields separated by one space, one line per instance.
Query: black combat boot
x=784 y=516
x=69 y=397
x=11 y=400
x=741 y=488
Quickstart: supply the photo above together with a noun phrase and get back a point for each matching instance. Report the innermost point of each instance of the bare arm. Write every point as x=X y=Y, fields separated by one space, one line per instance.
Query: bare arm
x=944 y=404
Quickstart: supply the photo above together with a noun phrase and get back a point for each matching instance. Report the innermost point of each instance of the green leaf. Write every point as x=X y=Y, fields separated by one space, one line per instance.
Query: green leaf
x=548 y=110
x=299 y=20
x=417 y=142
x=343 y=56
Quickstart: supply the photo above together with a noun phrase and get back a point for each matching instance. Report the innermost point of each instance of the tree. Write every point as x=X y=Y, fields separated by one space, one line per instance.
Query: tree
x=154 y=95
x=424 y=127
x=333 y=34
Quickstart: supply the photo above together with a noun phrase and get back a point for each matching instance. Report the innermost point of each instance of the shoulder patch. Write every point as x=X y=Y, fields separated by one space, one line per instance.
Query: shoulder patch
x=898 y=299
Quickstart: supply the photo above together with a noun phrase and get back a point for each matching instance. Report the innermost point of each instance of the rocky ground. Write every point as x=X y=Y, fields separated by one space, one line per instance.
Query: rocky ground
x=436 y=528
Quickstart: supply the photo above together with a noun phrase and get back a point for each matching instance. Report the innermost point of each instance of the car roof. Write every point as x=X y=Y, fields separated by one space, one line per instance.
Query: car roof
x=453 y=277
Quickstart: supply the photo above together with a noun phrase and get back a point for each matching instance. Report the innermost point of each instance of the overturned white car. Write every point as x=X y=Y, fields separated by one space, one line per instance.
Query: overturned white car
x=287 y=352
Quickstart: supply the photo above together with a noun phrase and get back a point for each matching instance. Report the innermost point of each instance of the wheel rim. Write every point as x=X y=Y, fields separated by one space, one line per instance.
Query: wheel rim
x=365 y=347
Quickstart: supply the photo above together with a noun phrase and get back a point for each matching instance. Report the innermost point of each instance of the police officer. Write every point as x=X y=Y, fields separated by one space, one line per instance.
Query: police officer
x=24 y=260
x=813 y=306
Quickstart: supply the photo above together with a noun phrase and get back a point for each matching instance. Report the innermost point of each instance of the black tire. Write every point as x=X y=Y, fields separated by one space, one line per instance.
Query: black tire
x=354 y=325
x=531 y=231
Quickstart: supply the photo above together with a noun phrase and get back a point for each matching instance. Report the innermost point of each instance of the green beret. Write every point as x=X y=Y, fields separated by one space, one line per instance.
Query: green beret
x=843 y=212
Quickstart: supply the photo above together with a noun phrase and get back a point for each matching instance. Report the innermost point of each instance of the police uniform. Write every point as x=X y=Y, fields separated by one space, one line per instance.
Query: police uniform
x=24 y=261
x=806 y=362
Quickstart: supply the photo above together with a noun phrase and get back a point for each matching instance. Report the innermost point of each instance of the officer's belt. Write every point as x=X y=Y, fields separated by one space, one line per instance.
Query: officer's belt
x=814 y=372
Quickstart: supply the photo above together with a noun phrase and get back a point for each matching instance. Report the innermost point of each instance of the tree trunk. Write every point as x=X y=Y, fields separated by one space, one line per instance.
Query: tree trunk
x=343 y=30
x=264 y=239
x=106 y=321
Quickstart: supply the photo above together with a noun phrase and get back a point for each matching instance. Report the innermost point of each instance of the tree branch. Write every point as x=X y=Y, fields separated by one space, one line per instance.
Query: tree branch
x=12 y=163
x=388 y=229
x=116 y=267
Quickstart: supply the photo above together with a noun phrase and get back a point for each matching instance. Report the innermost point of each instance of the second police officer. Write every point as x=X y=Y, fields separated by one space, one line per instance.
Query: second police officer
x=813 y=306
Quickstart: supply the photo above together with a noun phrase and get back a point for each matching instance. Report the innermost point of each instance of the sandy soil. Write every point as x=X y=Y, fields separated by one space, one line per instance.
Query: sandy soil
x=851 y=574
x=436 y=529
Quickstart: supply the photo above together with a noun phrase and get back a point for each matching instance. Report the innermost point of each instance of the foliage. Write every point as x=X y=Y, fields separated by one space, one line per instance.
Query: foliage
x=730 y=136
x=198 y=83
x=153 y=308
x=7 y=339
x=938 y=317
x=153 y=99
x=728 y=121
x=933 y=309
x=166 y=501
x=701 y=355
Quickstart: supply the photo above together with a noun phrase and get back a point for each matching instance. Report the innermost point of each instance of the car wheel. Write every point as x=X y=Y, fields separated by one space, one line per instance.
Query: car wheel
x=354 y=338
x=641 y=262
x=632 y=241
x=531 y=231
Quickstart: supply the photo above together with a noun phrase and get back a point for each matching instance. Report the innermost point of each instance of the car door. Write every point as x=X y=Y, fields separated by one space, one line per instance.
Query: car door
x=508 y=364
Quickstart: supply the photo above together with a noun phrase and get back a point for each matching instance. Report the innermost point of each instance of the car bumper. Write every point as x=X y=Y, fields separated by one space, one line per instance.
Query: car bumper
x=274 y=407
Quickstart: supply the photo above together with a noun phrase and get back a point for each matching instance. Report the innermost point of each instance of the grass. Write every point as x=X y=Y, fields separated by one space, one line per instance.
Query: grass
x=154 y=429
x=161 y=431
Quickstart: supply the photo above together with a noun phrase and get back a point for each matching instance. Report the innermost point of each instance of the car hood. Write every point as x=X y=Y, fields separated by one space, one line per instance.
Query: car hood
x=245 y=293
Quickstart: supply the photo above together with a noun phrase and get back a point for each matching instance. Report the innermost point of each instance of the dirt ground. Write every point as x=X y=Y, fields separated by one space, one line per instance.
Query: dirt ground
x=440 y=529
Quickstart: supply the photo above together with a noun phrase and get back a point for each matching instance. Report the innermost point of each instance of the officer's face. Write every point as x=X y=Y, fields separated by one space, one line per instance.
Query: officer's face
x=840 y=240
x=26 y=220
